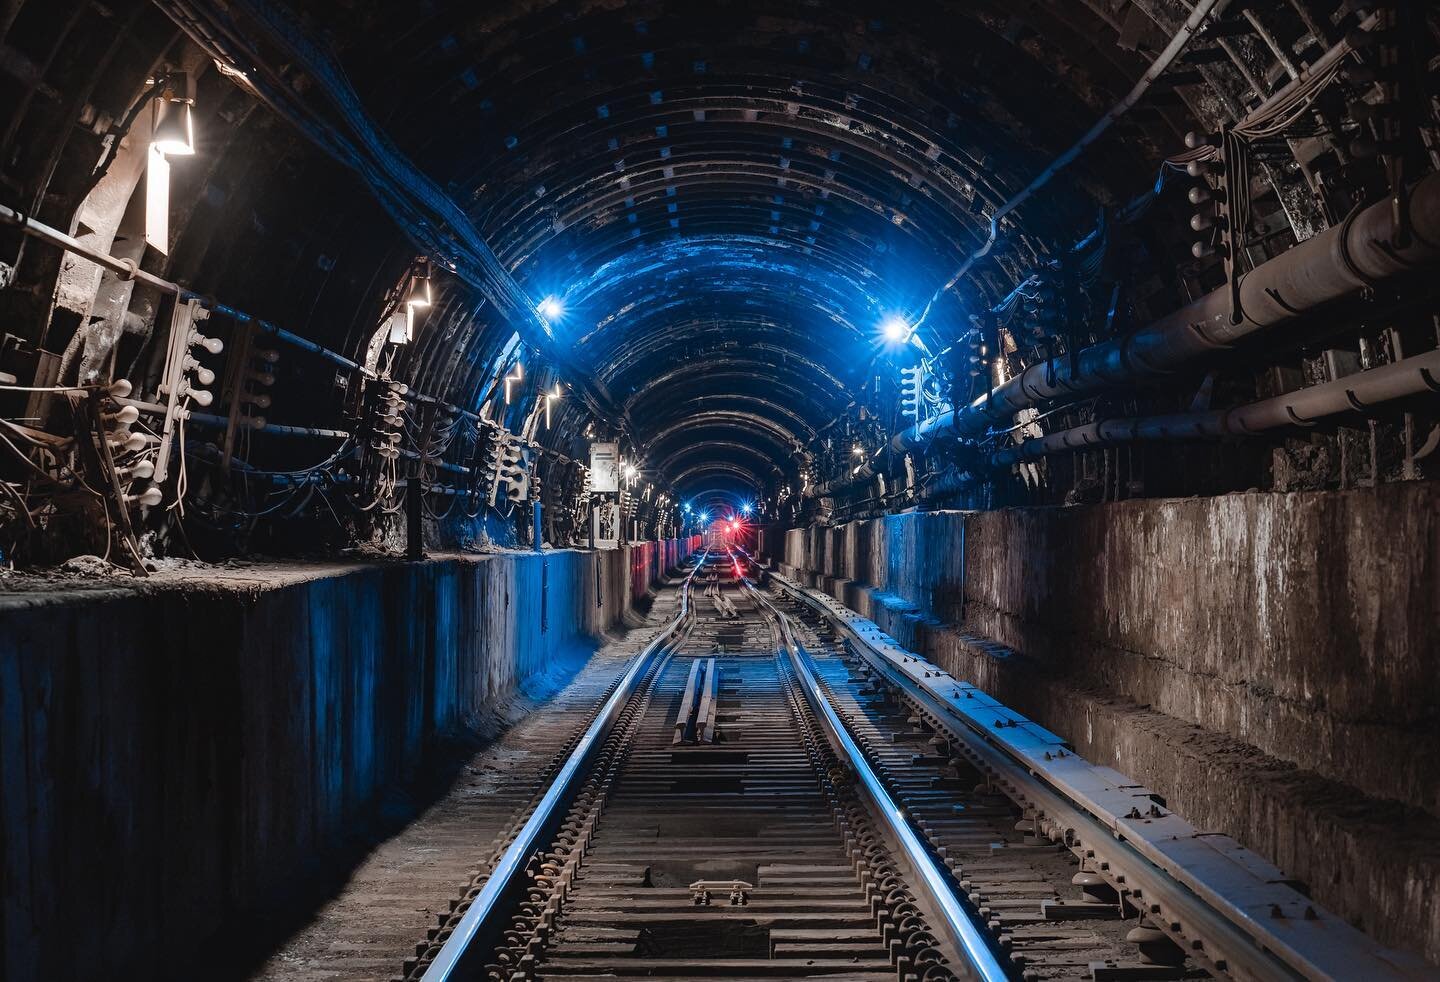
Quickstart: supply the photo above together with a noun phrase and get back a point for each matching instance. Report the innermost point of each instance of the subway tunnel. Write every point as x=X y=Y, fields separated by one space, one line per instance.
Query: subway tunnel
x=617 y=489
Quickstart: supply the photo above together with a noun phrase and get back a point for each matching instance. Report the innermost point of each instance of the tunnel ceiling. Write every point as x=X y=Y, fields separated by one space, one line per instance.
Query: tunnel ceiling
x=729 y=198
x=699 y=219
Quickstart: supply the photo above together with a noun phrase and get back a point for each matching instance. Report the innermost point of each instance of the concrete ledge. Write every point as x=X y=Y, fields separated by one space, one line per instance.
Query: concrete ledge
x=174 y=750
x=1374 y=862
x=1302 y=624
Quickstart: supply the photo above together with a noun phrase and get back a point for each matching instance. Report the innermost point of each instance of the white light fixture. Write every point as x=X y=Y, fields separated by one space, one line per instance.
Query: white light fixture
x=516 y=375
x=549 y=398
x=172 y=132
x=402 y=326
x=896 y=330
x=418 y=294
x=551 y=309
x=172 y=127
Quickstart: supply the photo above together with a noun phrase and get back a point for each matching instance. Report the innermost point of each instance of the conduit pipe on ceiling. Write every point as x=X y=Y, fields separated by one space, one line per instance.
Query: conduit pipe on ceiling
x=1304 y=407
x=1356 y=254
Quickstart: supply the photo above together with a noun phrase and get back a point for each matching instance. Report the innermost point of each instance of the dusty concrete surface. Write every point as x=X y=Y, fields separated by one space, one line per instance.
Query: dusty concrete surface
x=1267 y=661
x=178 y=748
x=371 y=923
x=1303 y=624
x=1374 y=862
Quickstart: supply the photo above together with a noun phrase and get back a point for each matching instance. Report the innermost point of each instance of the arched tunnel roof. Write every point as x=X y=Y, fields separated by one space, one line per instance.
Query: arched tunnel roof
x=728 y=199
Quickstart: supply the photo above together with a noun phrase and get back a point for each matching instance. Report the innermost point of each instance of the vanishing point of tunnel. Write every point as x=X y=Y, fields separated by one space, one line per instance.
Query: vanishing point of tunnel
x=583 y=490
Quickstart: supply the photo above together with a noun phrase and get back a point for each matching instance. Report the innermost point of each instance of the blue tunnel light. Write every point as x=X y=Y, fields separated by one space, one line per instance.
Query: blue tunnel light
x=896 y=330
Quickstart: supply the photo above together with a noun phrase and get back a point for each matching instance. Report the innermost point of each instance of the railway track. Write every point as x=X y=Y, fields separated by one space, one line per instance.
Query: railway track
x=774 y=790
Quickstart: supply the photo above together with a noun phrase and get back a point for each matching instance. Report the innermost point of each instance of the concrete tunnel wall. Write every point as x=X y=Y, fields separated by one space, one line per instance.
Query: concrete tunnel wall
x=177 y=752
x=1269 y=662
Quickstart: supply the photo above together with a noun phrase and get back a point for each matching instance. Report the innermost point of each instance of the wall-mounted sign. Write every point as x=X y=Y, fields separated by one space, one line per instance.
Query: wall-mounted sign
x=604 y=467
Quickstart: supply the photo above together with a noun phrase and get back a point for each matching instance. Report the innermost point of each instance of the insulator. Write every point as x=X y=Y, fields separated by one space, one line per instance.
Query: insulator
x=148 y=498
x=123 y=417
x=141 y=470
x=212 y=345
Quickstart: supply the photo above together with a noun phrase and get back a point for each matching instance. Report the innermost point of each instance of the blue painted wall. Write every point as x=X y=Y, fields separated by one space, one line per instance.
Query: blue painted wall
x=170 y=756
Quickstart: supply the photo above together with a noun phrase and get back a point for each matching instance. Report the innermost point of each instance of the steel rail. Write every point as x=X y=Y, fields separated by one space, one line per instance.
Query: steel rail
x=1234 y=926
x=457 y=951
x=970 y=940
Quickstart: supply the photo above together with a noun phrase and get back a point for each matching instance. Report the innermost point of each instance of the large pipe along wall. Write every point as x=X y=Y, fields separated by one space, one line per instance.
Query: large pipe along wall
x=177 y=752
x=1266 y=661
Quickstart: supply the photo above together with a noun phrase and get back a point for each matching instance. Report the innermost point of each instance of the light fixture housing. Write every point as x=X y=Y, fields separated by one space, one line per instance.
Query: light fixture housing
x=402 y=326
x=172 y=125
x=418 y=295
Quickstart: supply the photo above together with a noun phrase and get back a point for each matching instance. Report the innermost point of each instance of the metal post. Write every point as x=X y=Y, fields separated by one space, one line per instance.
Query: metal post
x=535 y=513
x=414 y=547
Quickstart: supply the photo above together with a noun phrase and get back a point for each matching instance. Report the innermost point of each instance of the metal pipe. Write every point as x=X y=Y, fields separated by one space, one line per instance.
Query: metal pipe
x=1356 y=254
x=1304 y=407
